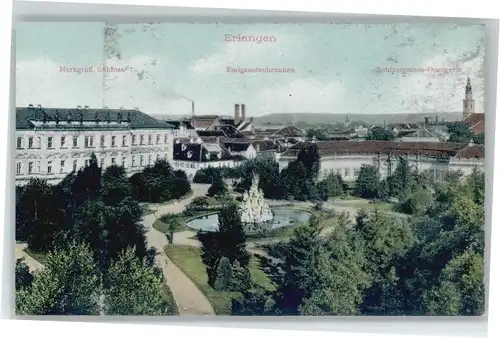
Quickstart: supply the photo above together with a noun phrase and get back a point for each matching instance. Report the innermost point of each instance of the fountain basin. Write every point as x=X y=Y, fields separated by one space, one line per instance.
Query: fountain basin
x=283 y=217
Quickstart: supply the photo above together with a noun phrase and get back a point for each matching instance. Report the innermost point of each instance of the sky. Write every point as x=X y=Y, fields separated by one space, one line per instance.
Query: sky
x=337 y=68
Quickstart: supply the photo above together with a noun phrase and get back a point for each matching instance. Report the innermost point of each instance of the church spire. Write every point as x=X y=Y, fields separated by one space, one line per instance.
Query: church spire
x=468 y=102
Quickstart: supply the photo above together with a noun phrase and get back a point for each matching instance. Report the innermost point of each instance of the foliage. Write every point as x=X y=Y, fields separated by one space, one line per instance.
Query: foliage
x=172 y=223
x=23 y=274
x=69 y=284
x=198 y=203
x=367 y=183
x=417 y=203
x=380 y=134
x=224 y=275
x=300 y=266
x=159 y=183
x=217 y=188
x=459 y=132
x=255 y=302
x=135 y=289
x=228 y=242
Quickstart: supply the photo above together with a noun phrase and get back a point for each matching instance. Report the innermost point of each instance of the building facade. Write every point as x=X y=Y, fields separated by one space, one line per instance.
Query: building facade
x=346 y=158
x=51 y=143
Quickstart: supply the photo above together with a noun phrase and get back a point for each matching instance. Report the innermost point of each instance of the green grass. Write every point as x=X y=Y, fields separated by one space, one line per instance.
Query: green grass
x=188 y=259
x=366 y=204
x=40 y=257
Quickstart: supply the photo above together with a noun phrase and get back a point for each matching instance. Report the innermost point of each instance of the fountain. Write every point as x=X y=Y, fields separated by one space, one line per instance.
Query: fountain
x=256 y=215
x=253 y=209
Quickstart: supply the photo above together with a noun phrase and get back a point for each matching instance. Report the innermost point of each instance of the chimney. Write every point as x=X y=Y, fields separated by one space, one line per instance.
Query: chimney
x=86 y=107
x=192 y=108
x=237 y=112
x=30 y=105
x=39 y=106
x=243 y=117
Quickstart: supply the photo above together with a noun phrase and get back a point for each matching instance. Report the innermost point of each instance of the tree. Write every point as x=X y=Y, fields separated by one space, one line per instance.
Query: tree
x=217 y=188
x=417 y=203
x=478 y=138
x=460 y=291
x=69 y=284
x=255 y=302
x=380 y=134
x=459 y=132
x=198 y=203
x=134 y=288
x=229 y=241
x=333 y=185
x=401 y=181
x=309 y=157
x=242 y=280
x=300 y=266
x=172 y=224
x=367 y=184
x=23 y=274
x=224 y=275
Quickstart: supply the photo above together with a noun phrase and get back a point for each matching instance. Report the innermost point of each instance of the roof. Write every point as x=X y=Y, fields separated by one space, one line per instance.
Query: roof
x=212 y=133
x=195 y=152
x=177 y=124
x=31 y=117
x=431 y=149
x=264 y=145
x=236 y=146
x=476 y=122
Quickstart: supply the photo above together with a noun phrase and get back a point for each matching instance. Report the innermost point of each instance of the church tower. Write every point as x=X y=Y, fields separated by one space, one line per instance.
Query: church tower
x=469 y=106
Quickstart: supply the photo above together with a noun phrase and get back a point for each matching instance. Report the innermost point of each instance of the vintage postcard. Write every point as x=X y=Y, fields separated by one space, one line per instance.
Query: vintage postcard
x=168 y=169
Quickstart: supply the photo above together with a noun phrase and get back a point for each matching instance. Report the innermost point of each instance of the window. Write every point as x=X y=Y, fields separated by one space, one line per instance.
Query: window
x=19 y=142
x=158 y=139
x=165 y=139
x=87 y=162
x=30 y=167
x=30 y=142
x=75 y=164
x=49 y=142
x=124 y=162
x=63 y=163
x=346 y=172
x=150 y=159
x=133 y=140
x=141 y=160
x=157 y=157
x=87 y=142
x=102 y=162
x=19 y=168
x=103 y=139
x=113 y=141
x=150 y=139
x=75 y=141
x=141 y=139
x=133 y=161
x=49 y=167
x=124 y=141
x=113 y=161
x=356 y=172
x=63 y=141
x=91 y=140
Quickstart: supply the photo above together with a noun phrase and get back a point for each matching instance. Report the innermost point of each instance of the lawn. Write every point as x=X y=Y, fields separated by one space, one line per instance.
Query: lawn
x=188 y=259
x=362 y=203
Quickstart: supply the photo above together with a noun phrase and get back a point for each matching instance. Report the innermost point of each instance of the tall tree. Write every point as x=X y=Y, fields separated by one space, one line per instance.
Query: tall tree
x=69 y=284
x=228 y=241
x=300 y=266
x=134 y=288
x=23 y=274
x=368 y=182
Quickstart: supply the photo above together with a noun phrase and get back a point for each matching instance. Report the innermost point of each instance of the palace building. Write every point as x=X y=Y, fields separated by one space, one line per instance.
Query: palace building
x=345 y=158
x=52 y=142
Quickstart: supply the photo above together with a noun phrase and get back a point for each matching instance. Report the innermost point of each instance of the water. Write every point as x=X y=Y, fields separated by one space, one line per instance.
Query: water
x=282 y=217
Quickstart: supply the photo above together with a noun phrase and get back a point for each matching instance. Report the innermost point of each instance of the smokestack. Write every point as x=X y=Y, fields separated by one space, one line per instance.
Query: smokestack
x=243 y=113
x=236 y=112
x=192 y=108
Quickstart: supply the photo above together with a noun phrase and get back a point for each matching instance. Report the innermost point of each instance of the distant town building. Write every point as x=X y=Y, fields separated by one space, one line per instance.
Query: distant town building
x=474 y=120
x=52 y=142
